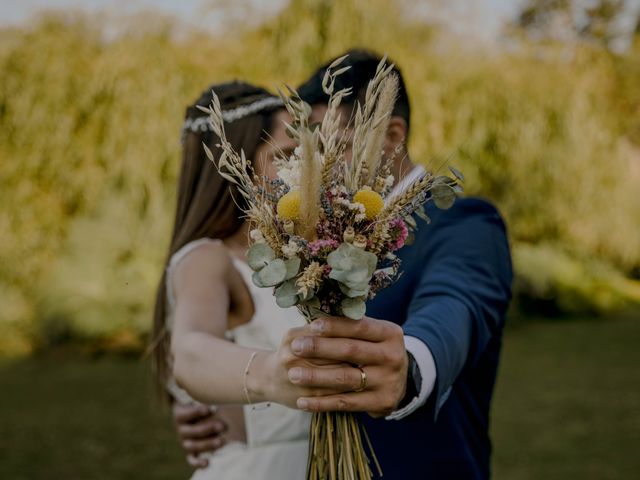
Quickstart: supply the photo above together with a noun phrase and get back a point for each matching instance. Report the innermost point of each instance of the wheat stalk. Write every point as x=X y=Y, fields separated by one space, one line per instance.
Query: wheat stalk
x=363 y=123
x=310 y=182
x=372 y=153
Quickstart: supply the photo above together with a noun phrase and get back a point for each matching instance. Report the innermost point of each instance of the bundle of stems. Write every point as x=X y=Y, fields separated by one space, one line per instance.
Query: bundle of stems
x=337 y=444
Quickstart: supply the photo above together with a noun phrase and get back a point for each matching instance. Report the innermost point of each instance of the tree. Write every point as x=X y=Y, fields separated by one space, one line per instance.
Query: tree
x=600 y=22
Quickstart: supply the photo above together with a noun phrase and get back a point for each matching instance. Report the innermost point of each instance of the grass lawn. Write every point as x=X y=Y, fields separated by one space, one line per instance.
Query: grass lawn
x=567 y=406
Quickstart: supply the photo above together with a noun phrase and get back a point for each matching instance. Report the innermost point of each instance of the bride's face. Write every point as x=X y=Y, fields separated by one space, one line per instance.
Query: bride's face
x=268 y=150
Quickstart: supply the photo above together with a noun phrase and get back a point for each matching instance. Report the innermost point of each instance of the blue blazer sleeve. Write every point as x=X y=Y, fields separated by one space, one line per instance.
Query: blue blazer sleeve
x=464 y=289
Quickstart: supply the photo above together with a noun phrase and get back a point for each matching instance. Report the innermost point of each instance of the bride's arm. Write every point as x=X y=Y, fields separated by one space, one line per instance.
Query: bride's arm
x=209 y=367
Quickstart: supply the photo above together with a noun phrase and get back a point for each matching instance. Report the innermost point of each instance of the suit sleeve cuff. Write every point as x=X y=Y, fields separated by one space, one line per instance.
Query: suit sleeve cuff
x=427 y=367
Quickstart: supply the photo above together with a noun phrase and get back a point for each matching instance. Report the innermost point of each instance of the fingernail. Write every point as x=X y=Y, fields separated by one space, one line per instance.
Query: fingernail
x=204 y=410
x=295 y=374
x=317 y=326
x=302 y=404
x=297 y=345
x=217 y=442
x=218 y=427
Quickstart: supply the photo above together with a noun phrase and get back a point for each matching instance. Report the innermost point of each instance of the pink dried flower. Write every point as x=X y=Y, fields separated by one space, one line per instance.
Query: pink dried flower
x=316 y=246
x=400 y=232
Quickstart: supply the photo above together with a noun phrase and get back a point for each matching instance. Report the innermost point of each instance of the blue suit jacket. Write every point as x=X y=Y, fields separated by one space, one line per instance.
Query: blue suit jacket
x=453 y=296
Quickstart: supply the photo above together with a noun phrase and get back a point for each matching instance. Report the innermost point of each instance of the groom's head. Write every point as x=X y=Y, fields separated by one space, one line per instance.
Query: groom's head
x=363 y=65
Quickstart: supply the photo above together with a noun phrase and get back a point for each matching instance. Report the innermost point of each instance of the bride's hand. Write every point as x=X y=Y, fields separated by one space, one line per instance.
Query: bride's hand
x=276 y=374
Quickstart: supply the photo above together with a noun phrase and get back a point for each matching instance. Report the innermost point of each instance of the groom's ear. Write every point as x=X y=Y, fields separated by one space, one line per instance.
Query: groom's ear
x=396 y=133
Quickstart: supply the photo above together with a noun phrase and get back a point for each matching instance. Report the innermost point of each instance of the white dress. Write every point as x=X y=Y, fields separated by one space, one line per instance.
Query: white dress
x=277 y=436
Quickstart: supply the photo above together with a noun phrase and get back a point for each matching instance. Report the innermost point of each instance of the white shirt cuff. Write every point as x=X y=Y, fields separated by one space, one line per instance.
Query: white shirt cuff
x=424 y=360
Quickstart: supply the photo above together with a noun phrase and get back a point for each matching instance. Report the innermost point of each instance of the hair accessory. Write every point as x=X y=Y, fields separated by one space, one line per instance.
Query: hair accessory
x=203 y=124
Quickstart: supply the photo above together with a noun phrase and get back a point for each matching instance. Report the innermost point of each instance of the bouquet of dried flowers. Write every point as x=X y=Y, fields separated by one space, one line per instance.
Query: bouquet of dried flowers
x=322 y=234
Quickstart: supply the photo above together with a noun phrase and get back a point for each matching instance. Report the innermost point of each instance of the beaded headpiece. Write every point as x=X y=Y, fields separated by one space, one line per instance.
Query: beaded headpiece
x=203 y=124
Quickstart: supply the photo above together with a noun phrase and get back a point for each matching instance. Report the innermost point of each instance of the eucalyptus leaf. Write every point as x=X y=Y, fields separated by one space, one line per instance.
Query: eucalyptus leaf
x=287 y=288
x=457 y=173
x=287 y=302
x=352 y=266
x=443 y=195
x=272 y=274
x=354 y=279
x=287 y=294
x=259 y=255
x=307 y=297
x=257 y=280
x=293 y=267
x=353 y=308
x=353 y=293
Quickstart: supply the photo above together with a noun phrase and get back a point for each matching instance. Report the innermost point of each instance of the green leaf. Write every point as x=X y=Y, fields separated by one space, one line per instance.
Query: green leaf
x=353 y=293
x=443 y=195
x=293 y=267
x=457 y=173
x=272 y=274
x=352 y=266
x=257 y=280
x=259 y=255
x=354 y=308
x=287 y=294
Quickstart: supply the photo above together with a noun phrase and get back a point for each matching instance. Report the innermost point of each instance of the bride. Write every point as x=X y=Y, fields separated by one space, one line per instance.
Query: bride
x=218 y=336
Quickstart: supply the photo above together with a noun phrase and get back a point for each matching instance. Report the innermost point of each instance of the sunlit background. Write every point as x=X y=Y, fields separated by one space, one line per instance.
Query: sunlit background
x=536 y=101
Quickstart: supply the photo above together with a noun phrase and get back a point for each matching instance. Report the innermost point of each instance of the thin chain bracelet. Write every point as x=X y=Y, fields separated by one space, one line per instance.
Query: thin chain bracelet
x=246 y=375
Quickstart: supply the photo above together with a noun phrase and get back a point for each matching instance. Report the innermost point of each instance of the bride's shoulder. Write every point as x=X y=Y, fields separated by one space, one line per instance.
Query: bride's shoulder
x=205 y=254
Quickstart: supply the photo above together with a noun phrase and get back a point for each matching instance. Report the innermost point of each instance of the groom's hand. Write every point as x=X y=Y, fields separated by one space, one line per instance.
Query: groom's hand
x=377 y=346
x=199 y=431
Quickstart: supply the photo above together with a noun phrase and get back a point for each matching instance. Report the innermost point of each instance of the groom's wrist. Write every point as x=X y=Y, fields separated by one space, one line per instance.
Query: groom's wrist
x=412 y=388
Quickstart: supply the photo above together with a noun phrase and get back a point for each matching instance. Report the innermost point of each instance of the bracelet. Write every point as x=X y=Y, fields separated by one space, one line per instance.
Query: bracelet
x=245 y=389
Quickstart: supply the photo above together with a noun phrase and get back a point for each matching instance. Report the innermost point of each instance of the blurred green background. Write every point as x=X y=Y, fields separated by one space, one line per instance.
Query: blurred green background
x=545 y=122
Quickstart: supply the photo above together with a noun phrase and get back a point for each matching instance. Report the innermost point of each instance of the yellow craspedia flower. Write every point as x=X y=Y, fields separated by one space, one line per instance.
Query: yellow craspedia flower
x=288 y=207
x=372 y=202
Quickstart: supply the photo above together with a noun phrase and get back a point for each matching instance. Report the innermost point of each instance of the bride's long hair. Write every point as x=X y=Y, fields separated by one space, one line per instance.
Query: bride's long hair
x=207 y=204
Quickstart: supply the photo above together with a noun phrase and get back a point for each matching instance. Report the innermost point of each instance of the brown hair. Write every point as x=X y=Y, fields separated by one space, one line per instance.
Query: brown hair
x=206 y=202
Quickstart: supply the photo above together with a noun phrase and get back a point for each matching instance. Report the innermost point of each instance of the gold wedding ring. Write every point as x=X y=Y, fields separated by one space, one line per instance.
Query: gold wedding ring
x=363 y=380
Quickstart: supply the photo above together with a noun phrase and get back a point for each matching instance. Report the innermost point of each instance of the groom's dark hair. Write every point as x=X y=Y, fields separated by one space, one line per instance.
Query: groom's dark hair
x=363 y=65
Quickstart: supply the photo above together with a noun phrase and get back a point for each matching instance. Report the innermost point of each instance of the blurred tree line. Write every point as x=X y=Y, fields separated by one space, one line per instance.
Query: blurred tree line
x=89 y=150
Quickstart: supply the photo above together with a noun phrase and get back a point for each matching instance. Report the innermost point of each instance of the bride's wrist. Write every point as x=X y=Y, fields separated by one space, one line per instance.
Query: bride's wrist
x=259 y=378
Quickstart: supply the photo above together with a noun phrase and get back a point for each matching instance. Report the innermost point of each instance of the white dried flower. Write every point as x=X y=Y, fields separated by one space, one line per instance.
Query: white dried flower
x=289 y=171
x=291 y=249
x=388 y=182
x=257 y=236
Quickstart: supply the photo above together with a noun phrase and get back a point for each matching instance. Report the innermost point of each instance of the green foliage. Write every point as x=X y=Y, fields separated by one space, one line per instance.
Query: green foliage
x=89 y=148
x=550 y=280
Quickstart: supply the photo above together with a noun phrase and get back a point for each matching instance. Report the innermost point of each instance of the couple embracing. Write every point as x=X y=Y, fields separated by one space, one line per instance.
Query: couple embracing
x=244 y=374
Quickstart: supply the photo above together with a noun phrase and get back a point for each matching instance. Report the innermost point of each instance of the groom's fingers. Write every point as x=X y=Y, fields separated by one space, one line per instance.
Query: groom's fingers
x=366 y=401
x=207 y=445
x=339 y=349
x=188 y=413
x=340 y=379
x=202 y=429
x=369 y=329
x=197 y=462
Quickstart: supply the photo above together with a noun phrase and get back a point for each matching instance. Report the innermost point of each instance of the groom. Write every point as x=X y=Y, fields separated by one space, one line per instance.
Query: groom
x=430 y=345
